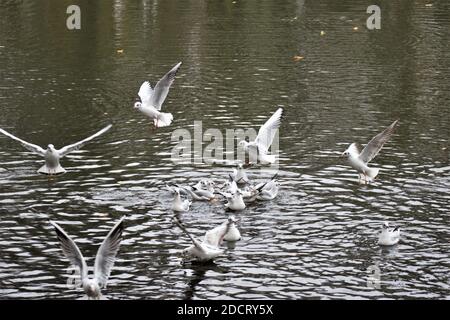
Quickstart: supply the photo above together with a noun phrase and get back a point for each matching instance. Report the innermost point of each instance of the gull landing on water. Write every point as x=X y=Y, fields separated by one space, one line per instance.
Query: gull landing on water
x=104 y=259
x=151 y=100
x=359 y=159
x=264 y=139
x=52 y=155
x=389 y=236
x=206 y=250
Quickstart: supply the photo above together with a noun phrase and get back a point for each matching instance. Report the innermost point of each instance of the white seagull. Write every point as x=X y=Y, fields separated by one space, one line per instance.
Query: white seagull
x=203 y=190
x=151 y=100
x=359 y=159
x=268 y=190
x=104 y=259
x=239 y=175
x=205 y=250
x=179 y=205
x=389 y=235
x=233 y=233
x=264 y=139
x=51 y=155
x=235 y=200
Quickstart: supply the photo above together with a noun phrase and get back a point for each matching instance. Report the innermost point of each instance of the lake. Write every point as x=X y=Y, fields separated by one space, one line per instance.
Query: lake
x=337 y=81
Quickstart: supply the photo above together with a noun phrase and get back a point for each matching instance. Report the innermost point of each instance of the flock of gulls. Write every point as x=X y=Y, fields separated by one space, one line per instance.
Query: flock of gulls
x=236 y=191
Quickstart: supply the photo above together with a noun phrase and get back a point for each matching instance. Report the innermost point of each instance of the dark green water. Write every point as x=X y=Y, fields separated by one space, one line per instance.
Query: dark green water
x=318 y=237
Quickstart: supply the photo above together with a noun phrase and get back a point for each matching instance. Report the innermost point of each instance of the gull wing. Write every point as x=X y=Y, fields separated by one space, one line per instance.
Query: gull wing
x=268 y=130
x=377 y=142
x=71 y=250
x=194 y=241
x=72 y=147
x=29 y=146
x=145 y=93
x=106 y=254
x=162 y=88
x=214 y=237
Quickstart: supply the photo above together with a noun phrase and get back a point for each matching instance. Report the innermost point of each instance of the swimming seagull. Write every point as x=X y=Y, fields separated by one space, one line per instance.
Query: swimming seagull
x=179 y=205
x=203 y=190
x=265 y=138
x=269 y=190
x=206 y=250
x=359 y=159
x=52 y=155
x=235 y=200
x=239 y=175
x=233 y=233
x=389 y=235
x=151 y=100
x=104 y=259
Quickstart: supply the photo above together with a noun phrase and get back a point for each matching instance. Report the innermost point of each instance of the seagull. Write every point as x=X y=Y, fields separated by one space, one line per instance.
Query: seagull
x=389 y=235
x=264 y=138
x=51 y=155
x=203 y=190
x=104 y=259
x=233 y=233
x=235 y=200
x=206 y=250
x=239 y=175
x=179 y=205
x=269 y=190
x=359 y=159
x=151 y=100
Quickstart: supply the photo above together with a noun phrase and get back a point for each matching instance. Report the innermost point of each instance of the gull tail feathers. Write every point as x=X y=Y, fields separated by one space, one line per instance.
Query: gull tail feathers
x=164 y=119
x=372 y=173
x=50 y=171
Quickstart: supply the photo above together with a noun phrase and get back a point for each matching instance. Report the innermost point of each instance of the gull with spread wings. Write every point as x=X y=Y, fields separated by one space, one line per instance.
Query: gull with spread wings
x=104 y=259
x=152 y=99
x=208 y=248
x=52 y=155
x=359 y=159
x=264 y=139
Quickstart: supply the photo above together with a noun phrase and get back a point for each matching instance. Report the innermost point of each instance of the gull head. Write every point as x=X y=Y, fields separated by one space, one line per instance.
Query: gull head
x=137 y=104
x=232 y=219
x=345 y=154
x=51 y=147
x=385 y=225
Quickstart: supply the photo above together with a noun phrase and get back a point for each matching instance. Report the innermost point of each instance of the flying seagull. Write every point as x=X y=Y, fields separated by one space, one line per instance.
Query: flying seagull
x=264 y=138
x=104 y=259
x=389 y=235
x=359 y=159
x=52 y=155
x=151 y=99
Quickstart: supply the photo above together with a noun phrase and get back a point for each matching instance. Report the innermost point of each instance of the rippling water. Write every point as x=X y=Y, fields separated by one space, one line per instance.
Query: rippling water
x=318 y=237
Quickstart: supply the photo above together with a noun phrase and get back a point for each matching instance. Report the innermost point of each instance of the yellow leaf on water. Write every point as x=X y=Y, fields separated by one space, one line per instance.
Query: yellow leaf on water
x=119 y=50
x=322 y=33
x=355 y=28
x=297 y=58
